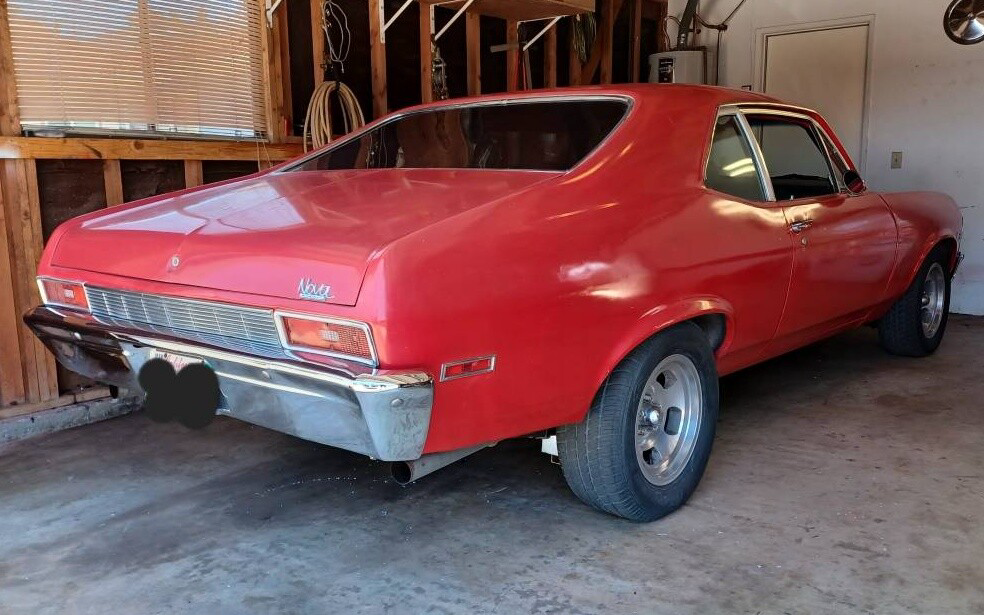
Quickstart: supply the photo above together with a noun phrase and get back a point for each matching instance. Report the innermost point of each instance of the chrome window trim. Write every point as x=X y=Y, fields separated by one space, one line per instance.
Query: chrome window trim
x=832 y=152
x=757 y=158
x=496 y=102
x=278 y=319
x=445 y=366
x=45 y=300
x=800 y=113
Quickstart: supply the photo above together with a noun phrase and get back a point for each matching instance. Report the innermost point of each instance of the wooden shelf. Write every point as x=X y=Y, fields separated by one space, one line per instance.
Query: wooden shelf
x=522 y=10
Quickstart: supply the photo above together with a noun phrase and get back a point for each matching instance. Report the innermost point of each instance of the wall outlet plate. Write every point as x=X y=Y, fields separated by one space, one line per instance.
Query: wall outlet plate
x=896 y=160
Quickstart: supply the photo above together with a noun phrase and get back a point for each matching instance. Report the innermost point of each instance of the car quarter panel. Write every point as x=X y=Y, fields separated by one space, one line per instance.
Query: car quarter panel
x=561 y=282
x=924 y=219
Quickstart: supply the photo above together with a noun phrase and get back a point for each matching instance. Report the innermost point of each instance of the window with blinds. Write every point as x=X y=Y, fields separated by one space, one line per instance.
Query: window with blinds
x=175 y=67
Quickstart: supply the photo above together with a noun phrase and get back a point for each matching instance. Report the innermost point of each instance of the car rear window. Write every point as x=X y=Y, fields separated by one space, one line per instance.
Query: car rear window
x=535 y=135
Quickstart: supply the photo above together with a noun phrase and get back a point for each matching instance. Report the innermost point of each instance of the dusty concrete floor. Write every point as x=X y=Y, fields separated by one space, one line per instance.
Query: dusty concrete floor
x=843 y=481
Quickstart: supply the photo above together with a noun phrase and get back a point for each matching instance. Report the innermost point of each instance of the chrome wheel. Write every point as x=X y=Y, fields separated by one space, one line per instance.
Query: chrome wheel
x=933 y=300
x=668 y=419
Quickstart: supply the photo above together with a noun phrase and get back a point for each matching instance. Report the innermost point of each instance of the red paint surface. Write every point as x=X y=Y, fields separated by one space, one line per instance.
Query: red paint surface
x=559 y=275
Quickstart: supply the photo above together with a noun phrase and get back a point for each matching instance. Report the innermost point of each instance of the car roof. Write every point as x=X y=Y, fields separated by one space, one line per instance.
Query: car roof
x=663 y=94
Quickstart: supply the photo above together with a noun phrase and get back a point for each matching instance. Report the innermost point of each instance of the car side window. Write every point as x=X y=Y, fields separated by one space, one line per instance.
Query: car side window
x=796 y=161
x=730 y=164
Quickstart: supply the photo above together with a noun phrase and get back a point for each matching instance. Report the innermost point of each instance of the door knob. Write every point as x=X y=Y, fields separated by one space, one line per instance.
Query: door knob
x=800 y=225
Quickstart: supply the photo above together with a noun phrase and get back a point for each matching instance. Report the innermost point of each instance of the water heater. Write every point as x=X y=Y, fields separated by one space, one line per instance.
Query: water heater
x=683 y=66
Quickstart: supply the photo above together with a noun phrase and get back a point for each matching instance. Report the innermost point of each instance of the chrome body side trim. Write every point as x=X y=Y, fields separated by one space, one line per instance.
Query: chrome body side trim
x=385 y=415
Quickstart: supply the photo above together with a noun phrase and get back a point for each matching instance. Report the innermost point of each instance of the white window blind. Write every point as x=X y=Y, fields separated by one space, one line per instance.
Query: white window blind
x=163 y=66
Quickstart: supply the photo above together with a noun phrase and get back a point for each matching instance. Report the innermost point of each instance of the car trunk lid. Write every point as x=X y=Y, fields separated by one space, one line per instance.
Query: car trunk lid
x=308 y=235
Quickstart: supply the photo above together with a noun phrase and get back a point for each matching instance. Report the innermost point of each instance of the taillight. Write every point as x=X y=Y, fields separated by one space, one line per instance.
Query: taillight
x=61 y=292
x=342 y=338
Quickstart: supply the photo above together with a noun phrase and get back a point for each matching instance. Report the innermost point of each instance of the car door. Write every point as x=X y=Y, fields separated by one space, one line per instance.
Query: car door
x=844 y=242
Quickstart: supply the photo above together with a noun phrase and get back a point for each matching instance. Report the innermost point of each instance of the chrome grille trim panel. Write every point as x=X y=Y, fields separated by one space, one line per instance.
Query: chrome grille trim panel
x=246 y=329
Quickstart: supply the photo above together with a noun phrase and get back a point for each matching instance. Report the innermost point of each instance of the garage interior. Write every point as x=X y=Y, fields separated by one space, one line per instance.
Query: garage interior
x=843 y=479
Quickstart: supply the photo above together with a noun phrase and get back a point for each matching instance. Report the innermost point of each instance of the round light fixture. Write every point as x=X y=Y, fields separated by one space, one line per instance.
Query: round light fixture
x=963 y=21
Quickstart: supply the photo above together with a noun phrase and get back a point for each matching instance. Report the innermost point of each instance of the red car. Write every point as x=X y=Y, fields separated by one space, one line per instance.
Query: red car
x=578 y=265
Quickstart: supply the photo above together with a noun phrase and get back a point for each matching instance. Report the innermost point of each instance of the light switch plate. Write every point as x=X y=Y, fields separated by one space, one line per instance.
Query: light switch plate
x=896 y=160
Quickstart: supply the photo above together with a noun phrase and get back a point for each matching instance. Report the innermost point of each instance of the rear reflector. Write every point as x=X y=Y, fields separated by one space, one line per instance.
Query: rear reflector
x=468 y=367
x=345 y=339
x=60 y=292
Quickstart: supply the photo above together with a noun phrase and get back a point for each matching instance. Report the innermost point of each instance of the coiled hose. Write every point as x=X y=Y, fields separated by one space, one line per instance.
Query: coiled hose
x=583 y=32
x=317 y=122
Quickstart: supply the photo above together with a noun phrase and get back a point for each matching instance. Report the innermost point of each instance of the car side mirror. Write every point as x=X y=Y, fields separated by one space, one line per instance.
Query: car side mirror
x=854 y=182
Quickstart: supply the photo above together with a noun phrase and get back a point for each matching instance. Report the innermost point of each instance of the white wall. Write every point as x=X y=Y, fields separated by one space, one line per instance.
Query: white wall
x=926 y=96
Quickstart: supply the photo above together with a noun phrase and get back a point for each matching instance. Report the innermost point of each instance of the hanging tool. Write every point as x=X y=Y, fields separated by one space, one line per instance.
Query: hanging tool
x=439 y=75
x=318 y=128
x=583 y=33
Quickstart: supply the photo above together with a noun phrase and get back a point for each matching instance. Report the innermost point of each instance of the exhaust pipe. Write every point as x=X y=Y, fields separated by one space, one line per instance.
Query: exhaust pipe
x=405 y=472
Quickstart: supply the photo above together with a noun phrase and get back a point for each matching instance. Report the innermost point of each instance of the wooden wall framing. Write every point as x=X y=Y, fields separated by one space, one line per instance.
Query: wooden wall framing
x=599 y=63
x=27 y=370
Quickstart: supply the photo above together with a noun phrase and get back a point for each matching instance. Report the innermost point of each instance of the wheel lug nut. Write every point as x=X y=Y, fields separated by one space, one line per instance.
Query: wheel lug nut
x=653 y=417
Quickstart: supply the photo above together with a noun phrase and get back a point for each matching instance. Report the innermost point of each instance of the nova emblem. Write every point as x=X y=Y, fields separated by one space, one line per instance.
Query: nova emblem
x=309 y=289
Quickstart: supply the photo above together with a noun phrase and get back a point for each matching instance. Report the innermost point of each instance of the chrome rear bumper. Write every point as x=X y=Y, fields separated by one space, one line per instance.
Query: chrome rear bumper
x=382 y=414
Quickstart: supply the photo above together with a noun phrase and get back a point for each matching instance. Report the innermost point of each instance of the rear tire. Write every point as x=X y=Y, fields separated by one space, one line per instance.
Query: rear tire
x=915 y=324
x=642 y=448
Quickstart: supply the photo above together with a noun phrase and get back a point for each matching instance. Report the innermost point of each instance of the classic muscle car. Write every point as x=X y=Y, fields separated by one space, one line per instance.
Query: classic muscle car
x=578 y=265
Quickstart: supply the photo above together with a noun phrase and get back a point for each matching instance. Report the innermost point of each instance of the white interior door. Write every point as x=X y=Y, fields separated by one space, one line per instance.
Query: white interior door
x=826 y=70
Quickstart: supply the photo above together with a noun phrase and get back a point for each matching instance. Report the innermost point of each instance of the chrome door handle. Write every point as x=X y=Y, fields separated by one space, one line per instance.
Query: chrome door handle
x=800 y=225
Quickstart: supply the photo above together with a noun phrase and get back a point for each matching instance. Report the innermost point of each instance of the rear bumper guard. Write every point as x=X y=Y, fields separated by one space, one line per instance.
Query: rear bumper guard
x=382 y=414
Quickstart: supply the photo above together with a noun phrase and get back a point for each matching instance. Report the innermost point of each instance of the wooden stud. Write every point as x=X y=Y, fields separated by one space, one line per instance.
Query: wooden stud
x=23 y=215
x=273 y=78
x=377 y=59
x=512 y=55
x=44 y=361
x=193 y=173
x=282 y=41
x=141 y=149
x=635 y=42
x=113 y=182
x=426 y=55
x=11 y=376
x=550 y=58
x=9 y=114
x=318 y=41
x=20 y=379
x=606 y=34
x=473 y=47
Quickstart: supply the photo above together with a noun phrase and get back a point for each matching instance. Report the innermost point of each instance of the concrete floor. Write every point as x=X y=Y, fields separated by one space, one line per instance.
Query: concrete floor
x=843 y=481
